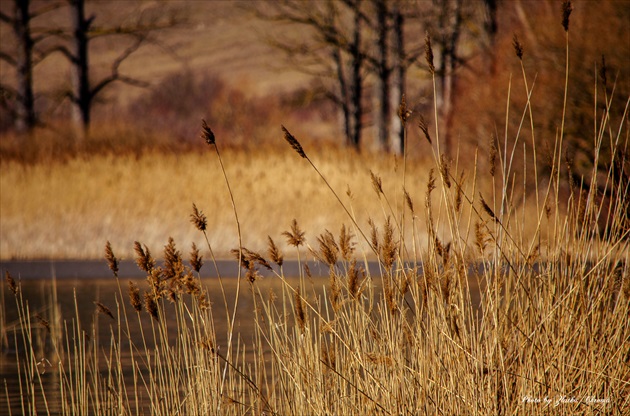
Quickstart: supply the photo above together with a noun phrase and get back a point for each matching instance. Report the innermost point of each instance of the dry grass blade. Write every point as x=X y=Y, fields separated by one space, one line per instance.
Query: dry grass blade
x=293 y=142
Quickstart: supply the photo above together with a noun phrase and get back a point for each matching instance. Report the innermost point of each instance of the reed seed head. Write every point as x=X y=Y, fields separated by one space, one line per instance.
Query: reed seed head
x=173 y=265
x=134 y=296
x=409 y=201
x=444 y=170
x=403 y=111
x=377 y=183
x=104 y=309
x=274 y=252
x=428 y=53
x=299 y=310
x=143 y=257
x=487 y=208
x=346 y=245
x=206 y=133
x=493 y=157
x=112 y=261
x=196 y=260
x=328 y=248
x=295 y=237
x=13 y=287
x=567 y=8
x=518 y=48
x=293 y=142
x=151 y=305
x=198 y=219
x=389 y=247
x=424 y=127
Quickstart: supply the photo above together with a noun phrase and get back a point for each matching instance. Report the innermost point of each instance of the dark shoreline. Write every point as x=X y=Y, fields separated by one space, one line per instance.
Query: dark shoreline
x=95 y=269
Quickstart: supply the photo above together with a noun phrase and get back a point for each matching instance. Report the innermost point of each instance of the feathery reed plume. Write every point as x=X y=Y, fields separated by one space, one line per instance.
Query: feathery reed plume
x=112 y=261
x=377 y=183
x=355 y=277
x=134 y=296
x=346 y=245
x=143 y=260
x=481 y=238
x=173 y=266
x=328 y=248
x=104 y=309
x=430 y=187
x=428 y=53
x=458 y=196
x=487 y=208
x=43 y=322
x=566 y=12
x=274 y=252
x=403 y=111
x=409 y=201
x=424 y=127
x=390 y=246
x=335 y=290
x=518 y=47
x=151 y=305
x=293 y=142
x=254 y=257
x=11 y=282
x=206 y=133
x=196 y=260
x=299 y=310
x=444 y=170
x=493 y=156
x=295 y=237
x=198 y=219
x=373 y=235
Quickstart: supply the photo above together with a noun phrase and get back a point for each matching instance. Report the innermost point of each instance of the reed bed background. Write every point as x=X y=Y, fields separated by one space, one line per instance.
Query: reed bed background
x=550 y=335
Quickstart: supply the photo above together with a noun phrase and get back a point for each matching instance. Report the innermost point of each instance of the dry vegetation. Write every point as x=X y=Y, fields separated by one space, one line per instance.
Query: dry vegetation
x=550 y=335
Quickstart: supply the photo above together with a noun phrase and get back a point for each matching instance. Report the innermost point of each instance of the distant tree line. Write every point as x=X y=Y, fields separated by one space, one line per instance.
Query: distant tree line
x=34 y=43
x=351 y=41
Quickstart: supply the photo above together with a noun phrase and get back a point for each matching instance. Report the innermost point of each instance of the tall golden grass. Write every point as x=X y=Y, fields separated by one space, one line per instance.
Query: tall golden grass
x=550 y=333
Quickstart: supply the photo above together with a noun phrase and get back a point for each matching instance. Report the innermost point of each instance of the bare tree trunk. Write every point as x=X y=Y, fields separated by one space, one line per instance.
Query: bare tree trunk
x=356 y=90
x=491 y=27
x=82 y=95
x=398 y=90
x=382 y=93
x=25 y=120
